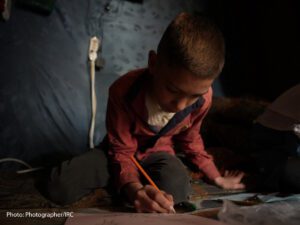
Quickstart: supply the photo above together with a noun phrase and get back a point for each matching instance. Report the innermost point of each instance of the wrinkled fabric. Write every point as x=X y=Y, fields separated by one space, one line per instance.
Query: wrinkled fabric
x=44 y=82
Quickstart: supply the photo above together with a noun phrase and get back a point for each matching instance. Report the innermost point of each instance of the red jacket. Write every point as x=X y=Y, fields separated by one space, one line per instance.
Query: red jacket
x=128 y=131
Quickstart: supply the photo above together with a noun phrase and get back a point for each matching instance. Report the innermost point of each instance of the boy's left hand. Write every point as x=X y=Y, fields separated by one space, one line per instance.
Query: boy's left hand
x=230 y=180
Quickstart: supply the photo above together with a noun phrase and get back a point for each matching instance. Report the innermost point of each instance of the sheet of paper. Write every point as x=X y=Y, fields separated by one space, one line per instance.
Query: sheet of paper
x=265 y=198
x=138 y=219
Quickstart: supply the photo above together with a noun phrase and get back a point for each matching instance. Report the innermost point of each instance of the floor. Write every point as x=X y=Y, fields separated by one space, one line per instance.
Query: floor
x=19 y=195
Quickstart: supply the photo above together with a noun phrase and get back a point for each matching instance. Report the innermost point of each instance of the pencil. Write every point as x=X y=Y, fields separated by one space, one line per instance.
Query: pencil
x=148 y=178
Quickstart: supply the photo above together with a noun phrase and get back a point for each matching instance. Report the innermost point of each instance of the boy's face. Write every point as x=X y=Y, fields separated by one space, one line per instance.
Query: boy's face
x=175 y=88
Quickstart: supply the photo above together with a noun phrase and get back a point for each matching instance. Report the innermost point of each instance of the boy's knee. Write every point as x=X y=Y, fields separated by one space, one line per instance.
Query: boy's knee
x=75 y=178
x=60 y=193
x=171 y=165
x=174 y=179
x=170 y=175
x=95 y=163
x=174 y=175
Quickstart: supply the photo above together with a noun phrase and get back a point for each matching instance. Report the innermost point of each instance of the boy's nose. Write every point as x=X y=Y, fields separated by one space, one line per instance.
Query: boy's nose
x=180 y=104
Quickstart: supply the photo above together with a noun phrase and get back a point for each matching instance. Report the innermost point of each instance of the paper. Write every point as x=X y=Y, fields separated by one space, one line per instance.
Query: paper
x=264 y=198
x=138 y=219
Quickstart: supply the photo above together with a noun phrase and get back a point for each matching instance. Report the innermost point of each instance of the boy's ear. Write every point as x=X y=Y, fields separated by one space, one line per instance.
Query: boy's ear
x=152 y=61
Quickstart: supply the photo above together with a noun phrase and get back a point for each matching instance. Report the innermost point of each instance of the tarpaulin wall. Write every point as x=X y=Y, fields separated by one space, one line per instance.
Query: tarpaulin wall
x=45 y=106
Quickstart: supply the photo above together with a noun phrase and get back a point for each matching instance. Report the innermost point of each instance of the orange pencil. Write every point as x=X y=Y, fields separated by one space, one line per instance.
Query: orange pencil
x=148 y=177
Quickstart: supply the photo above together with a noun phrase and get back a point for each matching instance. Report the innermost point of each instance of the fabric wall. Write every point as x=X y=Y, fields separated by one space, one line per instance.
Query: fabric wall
x=45 y=106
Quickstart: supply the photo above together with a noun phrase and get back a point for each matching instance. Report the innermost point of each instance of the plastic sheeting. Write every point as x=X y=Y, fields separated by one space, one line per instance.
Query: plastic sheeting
x=44 y=81
x=279 y=213
x=44 y=78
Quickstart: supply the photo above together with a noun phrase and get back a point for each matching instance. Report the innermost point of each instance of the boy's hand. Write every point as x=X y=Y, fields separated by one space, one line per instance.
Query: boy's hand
x=230 y=180
x=148 y=199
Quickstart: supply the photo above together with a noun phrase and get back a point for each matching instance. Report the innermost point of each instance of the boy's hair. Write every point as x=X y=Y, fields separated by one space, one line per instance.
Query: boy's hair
x=195 y=43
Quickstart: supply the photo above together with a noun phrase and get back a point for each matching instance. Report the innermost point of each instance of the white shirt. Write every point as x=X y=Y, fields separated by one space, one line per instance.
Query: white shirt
x=156 y=116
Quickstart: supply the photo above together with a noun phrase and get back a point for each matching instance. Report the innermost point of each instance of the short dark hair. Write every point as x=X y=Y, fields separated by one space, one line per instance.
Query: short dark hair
x=195 y=43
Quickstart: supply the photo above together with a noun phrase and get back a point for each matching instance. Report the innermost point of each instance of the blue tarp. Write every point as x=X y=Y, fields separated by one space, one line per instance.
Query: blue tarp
x=44 y=81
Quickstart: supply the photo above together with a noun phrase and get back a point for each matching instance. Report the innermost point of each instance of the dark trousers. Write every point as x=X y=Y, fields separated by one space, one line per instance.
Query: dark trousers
x=77 y=177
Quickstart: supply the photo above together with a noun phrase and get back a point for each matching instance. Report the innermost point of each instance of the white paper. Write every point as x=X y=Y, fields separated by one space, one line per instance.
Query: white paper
x=138 y=219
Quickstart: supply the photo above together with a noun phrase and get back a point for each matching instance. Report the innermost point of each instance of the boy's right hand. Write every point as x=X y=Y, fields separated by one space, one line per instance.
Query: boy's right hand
x=148 y=199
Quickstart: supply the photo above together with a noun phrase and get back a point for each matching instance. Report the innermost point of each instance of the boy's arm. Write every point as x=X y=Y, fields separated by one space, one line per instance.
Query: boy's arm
x=122 y=145
x=191 y=143
x=121 y=142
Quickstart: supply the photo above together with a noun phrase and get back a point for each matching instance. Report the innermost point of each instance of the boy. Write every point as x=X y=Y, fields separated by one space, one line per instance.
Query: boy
x=151 y=110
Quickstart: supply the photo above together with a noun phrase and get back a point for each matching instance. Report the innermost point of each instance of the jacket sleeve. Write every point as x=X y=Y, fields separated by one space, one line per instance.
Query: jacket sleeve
x=121 y=142
x=190 y=142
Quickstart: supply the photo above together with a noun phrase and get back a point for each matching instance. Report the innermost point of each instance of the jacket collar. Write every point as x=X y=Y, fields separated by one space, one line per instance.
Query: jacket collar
x=136 y=99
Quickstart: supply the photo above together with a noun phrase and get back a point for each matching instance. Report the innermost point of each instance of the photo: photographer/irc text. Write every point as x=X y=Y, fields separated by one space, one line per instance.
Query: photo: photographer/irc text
x=43 y=215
